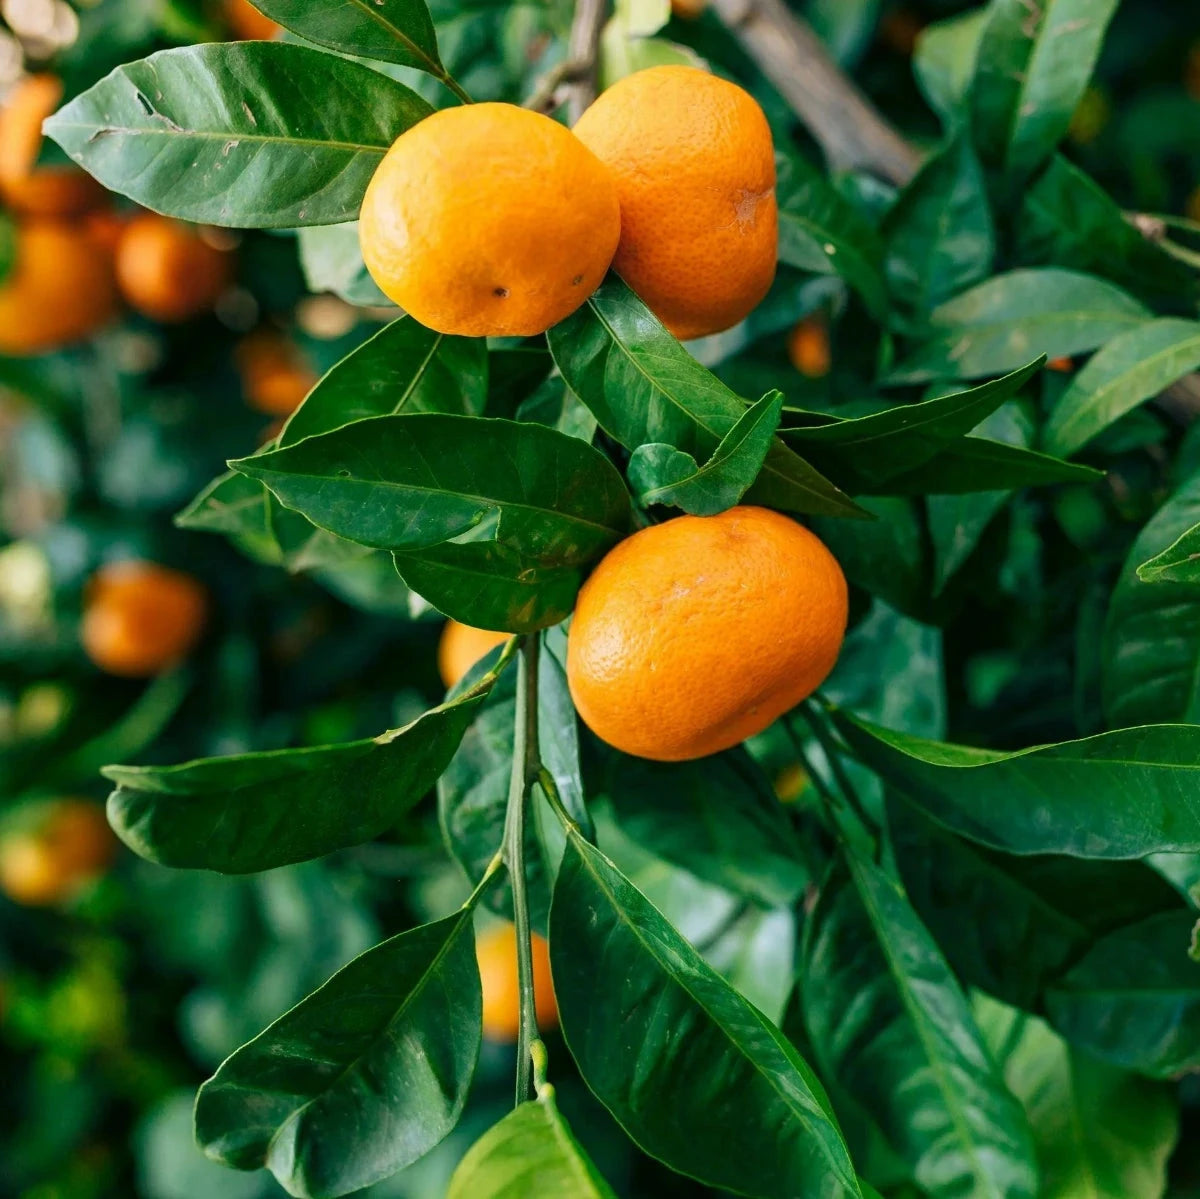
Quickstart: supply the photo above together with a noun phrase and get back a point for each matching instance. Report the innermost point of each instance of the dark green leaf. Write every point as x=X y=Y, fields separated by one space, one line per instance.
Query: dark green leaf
x=644 y=387
x=1034 y=62
x=695 y=1075
x=239 y=508
x=1178 y=563
x=1151 y=649
x=887 y=1019
x=416 y=480
x=1122 y=794
x=939 y=232
x=248 y=134
x=532 y=1151
x=398 y=31
x=662 y=474
x=8 y=245
x=1000 y=323
x=360 y=1079
x=1134 y=1000
x=256 y=811
x=403 y=368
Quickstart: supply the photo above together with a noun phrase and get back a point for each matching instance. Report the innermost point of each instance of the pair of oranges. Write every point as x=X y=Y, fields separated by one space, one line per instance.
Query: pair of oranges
x=491 y=220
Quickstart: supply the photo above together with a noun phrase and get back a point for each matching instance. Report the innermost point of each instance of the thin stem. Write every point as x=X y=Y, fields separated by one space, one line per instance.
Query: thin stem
x=550 y=788
x=525 y=766
x=541 y=1084
x=834 y=757
x=457 y=88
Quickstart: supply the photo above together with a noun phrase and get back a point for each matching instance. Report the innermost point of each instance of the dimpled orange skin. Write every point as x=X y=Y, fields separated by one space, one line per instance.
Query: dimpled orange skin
x=248 y=23
x=141 y=619
x=489 y=221
x=461 y=646
x=695 y=170
x=496 y=952
x=60 y=289
x=695 y=634
x=70 y=847
x=25 y=187
x=167 y=271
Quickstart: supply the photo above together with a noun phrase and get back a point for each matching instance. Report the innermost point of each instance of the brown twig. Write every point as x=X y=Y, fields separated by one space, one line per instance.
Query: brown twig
x=573 y=81
x=849 y=129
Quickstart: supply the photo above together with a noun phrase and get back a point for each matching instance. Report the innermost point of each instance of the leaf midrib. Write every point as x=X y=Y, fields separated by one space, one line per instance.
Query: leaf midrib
x=432 y=67
x=217 y=135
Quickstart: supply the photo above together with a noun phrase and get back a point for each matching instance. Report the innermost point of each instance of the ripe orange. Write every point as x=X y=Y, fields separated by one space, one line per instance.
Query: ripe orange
x=140 y=618
x=496 y=951
x=68 y=845
x=248 y=23
x=167 y=271
x=1063 y=365
x=275 y=377
x=808 y=348
x=60 y=289
x=461 y=646
x=689 y=10
x=695 y=634
x=489 y=220
x=25 y=187
x=695 y=169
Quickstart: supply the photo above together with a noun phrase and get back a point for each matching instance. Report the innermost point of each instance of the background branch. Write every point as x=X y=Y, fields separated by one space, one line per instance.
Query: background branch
x=583 y=52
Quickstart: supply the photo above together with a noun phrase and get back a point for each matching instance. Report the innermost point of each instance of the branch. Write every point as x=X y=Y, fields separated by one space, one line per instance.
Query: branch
x=849 y=129
x=583 y=52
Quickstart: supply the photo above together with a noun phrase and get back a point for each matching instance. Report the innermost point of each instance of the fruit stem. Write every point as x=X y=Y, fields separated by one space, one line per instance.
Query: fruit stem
x=457 y=88
x=525 y=767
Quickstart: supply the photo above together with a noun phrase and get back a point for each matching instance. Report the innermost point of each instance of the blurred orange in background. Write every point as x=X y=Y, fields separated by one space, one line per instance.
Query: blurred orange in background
x=275 y=375
x=52 y=850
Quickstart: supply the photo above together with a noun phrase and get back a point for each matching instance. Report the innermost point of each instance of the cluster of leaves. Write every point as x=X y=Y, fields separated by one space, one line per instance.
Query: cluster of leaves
x=989 y=984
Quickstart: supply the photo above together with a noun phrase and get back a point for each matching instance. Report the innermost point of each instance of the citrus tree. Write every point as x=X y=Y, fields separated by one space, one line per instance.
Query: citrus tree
x=945 y=967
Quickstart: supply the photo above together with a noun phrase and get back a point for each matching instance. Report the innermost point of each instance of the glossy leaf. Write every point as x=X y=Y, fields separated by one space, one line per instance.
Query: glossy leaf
x=887 y=1020
x=256 y=811
x=360 y=1079
x=412 y=481
x=237 y=507
x=695 y=1075
x=332 y=261
x=1122 y=794
x=944 y=61
x=1151 y=650
x=1178 y=563
x=532 y=1151
x=1134 y=1000
x=403 y=368
x=999 y=324
x=1132 y=368
x=248 y=134
x=399 y=31
x=661 y=474
x=1033 y=66
x=644 y=387
x=939 y=232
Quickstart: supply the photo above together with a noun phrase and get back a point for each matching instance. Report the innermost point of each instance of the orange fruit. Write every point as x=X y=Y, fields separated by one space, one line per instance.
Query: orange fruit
x=275 y=377
x=25 y=187
x=689 y=10
x=141 y=619
x=496 y=952
x=461 y=646
x=1060 y=364
x=695 y=170
x=808 y=347
x=790 y=783
x=167 y=271
x=489 y=220
x=60 y=288
x=247 y=23
x=68 y=846
x=692 y=635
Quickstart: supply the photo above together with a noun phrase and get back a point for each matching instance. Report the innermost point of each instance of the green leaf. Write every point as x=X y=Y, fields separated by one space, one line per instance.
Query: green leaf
x=399 y=31
x=887 y=1019
x=332 y=260
x=1134 y=1000
x=1008 y=924
x=939 y=232
x=248 y=134
x=1101 y=1133
x=1151 y=648
x=403 y=368
x=360 y=1079
x=1034 y=62
x=944 y=61
x=695 y=1075
x=1135 y=366
x=644 y=387
x=532 y=1151
x=237 y=507
x=662 y=474
x=8 y=245
x=998 y=324
x=821 y=231
x=1122 y=794
x=1178 y=563
x=416 y=480
x=868 y=450
x=256 y=811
